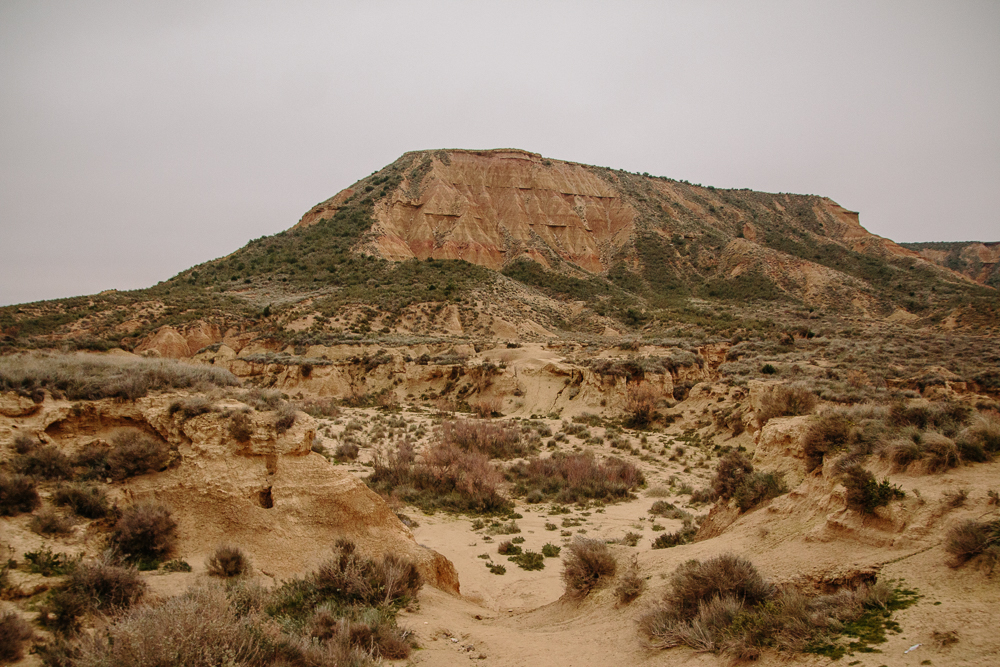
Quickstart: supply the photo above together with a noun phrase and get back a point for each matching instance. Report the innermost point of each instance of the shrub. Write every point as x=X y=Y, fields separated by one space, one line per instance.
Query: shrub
x=864 y=493
x=285 y=417
x=574 y=477
x=495 y=440
x=983 y=434
x=586 y=566
x=682 y=536
x=176 y=565
x=228 y=561
x=146 y=532
x=667 y=510
x=529 y=560
x=347 y=451
x=48 y=522
x=971 y=539
x=25 y=443
x=42 y=561
x=135 y=453
x=758 y=487
x=447 y=477
x=641 y=403
x=630 y=584
x=786 y=401
x=729 y=474
x=694 y=583
x=939 y=452
x=17 y=495
x=240 y=427
x=105 y=587
x=550 y=550
x=706 y=495
x=508 y=548
x=197 y=629
x=47 y=462
x=15 y=632
x=91 y=377
x=85 y=500
x=191 y=407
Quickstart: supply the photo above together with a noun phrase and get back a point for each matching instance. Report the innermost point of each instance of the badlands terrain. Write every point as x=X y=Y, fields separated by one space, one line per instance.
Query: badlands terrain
x=485 y=407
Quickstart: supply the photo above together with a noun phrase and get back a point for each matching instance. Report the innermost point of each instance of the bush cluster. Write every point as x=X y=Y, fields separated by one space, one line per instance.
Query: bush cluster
x=587 y=565
x=735 y=478
x=146 y=532
x=495 y=440
x=228 y=561
x=567 y=478
x=725 y=605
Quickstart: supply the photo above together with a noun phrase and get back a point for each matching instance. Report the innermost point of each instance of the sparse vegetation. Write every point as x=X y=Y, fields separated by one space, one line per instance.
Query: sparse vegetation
x=567 y=478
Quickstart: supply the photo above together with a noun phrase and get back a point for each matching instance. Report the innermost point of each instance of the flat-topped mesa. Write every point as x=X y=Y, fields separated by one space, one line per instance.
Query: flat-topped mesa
x=490 y=207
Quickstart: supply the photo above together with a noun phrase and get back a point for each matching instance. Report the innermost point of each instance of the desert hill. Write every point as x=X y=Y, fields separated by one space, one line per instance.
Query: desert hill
x=488 y=406
x=541 y=244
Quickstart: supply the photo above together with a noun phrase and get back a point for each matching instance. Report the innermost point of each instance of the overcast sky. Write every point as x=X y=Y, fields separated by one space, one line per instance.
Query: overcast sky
x=140 y=138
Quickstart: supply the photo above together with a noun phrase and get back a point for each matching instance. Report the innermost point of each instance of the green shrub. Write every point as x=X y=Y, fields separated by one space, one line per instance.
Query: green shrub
x=508 y=548
x=529 y=560
x=864 y=493
x=758 y=487
x=683 y=536
x=145 y=533
x=17 y=494
x=550 y=550
x=730 y=473
x=587 y=565
x=42 y=561
x=228 y=561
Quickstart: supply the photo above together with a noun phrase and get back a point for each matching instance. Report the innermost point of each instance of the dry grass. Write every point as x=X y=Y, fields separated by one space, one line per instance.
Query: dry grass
x=973 y=539
x=49 y=522
x=47 y=462
x=91 y=377
x=630 y=583
x=587 y=565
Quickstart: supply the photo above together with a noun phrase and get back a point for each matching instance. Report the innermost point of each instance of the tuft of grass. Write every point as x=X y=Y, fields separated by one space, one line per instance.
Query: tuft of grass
x=587 y=565
x=973 y=539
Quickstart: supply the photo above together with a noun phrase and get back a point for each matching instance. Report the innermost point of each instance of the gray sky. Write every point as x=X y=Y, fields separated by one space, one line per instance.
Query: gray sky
x=139 y=138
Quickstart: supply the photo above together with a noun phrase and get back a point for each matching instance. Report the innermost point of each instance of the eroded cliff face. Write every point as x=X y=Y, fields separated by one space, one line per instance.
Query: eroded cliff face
x=490 y=207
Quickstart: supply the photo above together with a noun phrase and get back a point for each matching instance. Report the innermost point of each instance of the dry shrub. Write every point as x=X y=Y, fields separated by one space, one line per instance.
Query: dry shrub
x=786 y=400
x=347 y=451
x=145 y=532
x=349 y=577
x=196 y=629
x=683 y=536
x=49 y=522
x=729 y=474
x=135 y=452
x=47 y=462
x=240 y=427
x=24 y=443
x=85 y=500
x=724 y=604
x=447 y=477
x=575 y=477
x=641 y=403
x=630 y=584
x=285 y=417
x=586 y=566
x=15 y=632
x=667 y=510
x=495 y=440
x=487 y=407
x=106 y=587
x=228 y=561
x=191 y=407
x=981 y=439
x=373 y=634
x=974 y=539
x=92 y=377
x=17 y=494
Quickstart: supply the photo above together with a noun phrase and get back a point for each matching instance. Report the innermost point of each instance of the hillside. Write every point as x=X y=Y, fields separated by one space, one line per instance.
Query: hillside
x=570 y=247
x=979 y=261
